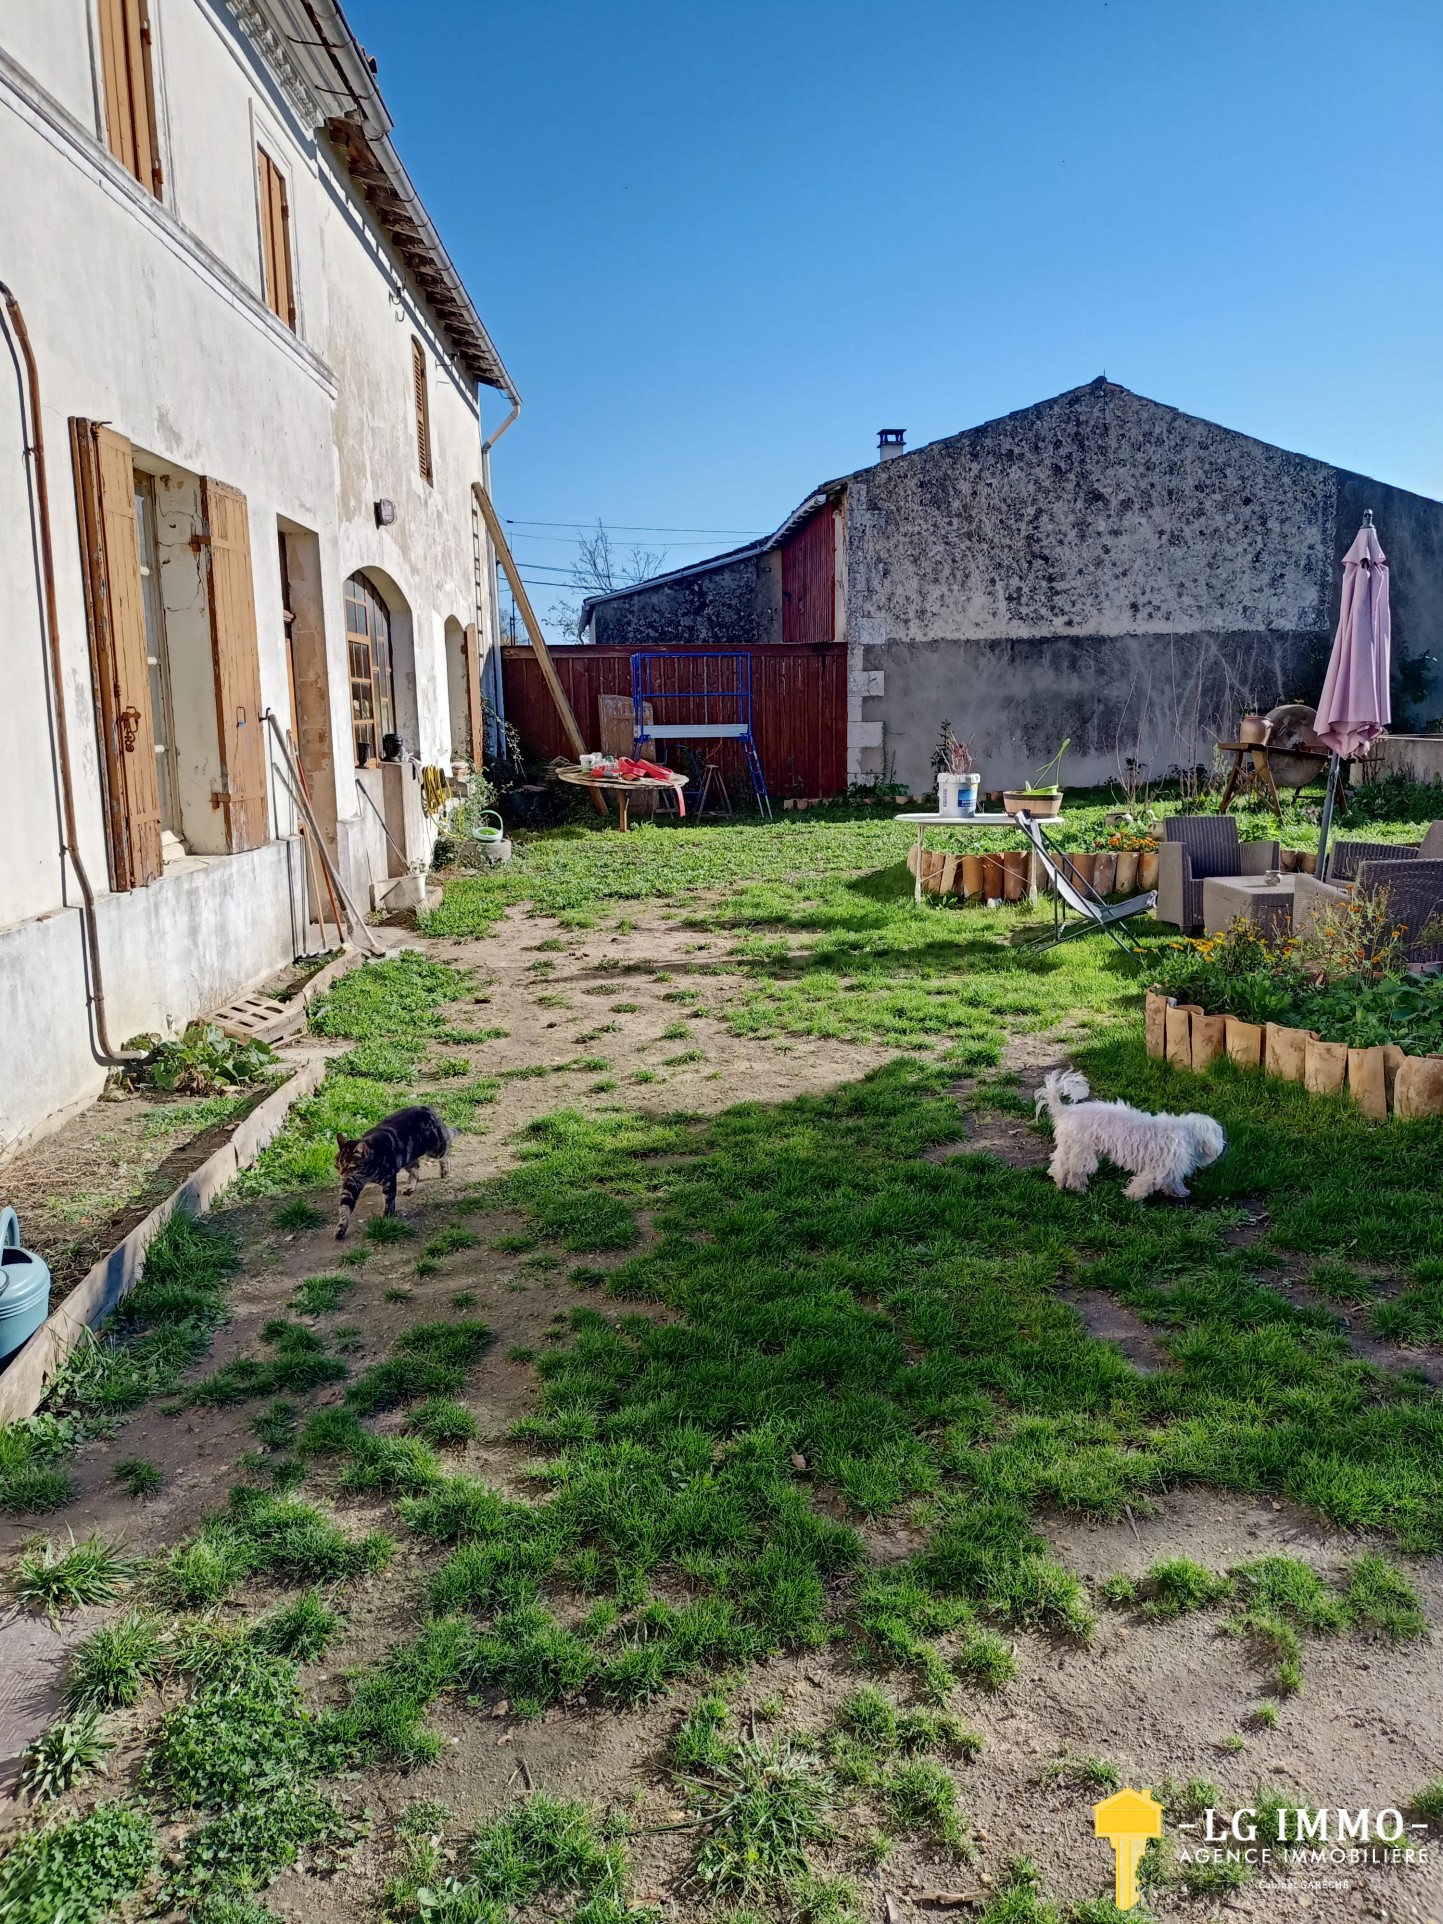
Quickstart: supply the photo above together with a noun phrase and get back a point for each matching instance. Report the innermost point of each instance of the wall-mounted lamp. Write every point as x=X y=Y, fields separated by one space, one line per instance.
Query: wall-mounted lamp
x=385 y=513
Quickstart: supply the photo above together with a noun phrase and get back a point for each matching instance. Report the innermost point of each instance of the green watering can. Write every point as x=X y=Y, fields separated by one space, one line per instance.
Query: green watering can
x=24 y=1287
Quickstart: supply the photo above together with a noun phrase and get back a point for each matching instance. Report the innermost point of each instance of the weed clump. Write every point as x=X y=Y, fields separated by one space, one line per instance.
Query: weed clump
x=79 y=1870
x=69 y=1749
x=443 y=1422
x=297 y=1215
x=90 y=1571
x=762 y=1808
x=301 y=1631
x=31 y=1479
x=113 y=1665
x=320 y=1295
x=137 y=1477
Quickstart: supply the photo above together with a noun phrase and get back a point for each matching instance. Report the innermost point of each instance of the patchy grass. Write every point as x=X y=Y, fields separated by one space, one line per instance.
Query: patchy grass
x=321 y=1295
x=1172 y=1588
x=298 y=1363
x=401 y=996
x=852 y=1330
x=162 y=1327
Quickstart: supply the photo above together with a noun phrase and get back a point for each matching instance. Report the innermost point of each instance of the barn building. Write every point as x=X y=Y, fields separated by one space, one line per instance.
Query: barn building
x=1098 y=567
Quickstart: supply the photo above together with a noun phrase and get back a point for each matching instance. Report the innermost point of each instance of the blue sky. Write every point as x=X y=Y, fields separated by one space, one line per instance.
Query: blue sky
x=720 y=246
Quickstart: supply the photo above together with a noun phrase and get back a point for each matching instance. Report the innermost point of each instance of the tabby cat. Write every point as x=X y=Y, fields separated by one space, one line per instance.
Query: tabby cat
x=397 y=1143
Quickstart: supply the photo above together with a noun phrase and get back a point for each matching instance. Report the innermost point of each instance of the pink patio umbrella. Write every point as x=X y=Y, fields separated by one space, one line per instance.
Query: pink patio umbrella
x=1353 y=709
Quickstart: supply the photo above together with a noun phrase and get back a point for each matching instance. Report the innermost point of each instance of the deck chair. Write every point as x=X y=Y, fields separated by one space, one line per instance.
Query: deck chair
x=1070 y=891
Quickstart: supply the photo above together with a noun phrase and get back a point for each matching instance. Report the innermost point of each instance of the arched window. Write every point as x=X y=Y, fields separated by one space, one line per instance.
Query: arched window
x=368 y=645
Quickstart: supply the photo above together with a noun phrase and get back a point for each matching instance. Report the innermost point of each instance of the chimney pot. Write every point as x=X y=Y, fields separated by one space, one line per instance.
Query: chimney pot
x=890 y=443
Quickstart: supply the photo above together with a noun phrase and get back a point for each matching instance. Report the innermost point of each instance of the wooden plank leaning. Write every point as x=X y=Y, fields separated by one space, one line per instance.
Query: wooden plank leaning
x=361 y=933
x=533 y=628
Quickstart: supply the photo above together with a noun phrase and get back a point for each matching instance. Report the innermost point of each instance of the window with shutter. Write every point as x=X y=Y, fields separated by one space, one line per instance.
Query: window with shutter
x=128 y=85
x=423 y=408
x=120 y=670
x=235 y=659
x=276 y=239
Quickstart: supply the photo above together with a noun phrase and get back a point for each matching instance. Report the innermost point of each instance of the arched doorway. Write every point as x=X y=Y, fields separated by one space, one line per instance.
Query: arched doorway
x=372 y=668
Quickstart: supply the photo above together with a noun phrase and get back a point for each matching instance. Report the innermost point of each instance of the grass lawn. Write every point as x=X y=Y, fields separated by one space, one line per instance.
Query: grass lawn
x=784 y=1327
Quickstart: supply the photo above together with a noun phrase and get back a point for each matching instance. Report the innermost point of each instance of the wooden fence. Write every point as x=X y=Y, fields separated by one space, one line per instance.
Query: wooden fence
x=799 y=709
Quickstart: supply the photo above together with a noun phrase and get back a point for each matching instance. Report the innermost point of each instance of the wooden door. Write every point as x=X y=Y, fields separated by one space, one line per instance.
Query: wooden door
x=235 y=659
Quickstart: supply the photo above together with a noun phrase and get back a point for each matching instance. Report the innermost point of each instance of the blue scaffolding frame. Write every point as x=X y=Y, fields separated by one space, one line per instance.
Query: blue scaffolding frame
x=733 y=726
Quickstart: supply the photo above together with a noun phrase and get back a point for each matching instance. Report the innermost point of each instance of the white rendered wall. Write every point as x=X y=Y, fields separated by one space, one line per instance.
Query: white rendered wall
x=149 y=316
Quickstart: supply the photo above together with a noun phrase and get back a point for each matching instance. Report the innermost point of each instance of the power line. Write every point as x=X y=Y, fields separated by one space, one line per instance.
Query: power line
x=627 y=527
x=569 y=541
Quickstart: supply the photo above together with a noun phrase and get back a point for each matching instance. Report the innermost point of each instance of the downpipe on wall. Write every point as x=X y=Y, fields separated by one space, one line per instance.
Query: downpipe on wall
x=60 y=739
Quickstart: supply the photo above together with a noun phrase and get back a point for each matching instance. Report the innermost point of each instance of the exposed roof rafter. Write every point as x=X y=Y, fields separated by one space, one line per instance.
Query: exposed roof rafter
x=310 y=48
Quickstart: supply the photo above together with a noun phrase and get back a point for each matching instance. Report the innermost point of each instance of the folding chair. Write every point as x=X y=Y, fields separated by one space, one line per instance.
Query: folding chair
x=1070 y=891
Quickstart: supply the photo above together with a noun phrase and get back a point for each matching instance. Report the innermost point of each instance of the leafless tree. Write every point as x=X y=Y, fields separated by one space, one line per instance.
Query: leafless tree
x=600 y=570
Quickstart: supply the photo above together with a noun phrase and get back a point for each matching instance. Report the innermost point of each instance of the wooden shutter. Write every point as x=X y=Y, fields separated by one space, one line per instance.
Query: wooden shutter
x=235 y=658
x=423 y=408
x=128 y=84
x=276 y=239
x=120 y=671
x=475 y=715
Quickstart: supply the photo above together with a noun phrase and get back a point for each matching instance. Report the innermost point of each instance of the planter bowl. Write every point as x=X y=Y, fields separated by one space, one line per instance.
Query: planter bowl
x=1040 y=807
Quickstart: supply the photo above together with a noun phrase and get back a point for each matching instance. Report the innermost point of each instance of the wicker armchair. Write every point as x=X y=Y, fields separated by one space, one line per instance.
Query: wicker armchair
x=1195 y=848
x=1345 y=858
x=1415 y=894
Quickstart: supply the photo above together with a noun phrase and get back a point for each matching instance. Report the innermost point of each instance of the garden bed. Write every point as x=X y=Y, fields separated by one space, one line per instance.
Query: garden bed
x=1337 y=1008
x=1382 y=1079
x=81 y=1190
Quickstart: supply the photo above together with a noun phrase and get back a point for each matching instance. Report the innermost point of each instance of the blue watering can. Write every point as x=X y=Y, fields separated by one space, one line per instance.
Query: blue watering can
x=24 y=1287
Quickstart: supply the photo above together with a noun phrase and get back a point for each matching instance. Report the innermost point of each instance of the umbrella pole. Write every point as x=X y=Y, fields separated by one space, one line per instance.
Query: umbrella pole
x=1334 y=764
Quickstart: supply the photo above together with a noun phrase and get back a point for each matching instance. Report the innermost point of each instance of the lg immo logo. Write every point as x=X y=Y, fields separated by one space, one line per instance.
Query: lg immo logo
x=1302 y=1826
x=1282 y=1835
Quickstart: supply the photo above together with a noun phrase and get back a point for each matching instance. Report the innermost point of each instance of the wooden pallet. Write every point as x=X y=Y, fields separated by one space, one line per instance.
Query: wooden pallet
x=257 y=1018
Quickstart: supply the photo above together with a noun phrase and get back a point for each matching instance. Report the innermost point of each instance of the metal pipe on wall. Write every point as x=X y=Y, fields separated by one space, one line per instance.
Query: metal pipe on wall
x=70 y=841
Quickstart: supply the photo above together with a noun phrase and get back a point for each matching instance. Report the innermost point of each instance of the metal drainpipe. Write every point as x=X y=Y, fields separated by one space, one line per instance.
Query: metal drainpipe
x=70 y=845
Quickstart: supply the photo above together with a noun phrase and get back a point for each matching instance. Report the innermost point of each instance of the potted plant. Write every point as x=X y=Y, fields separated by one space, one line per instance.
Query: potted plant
x=956 y=773
x=1043 y=795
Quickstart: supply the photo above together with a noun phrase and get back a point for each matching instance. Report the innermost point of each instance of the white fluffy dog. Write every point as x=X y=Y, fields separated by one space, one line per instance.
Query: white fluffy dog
x=1159 y=1152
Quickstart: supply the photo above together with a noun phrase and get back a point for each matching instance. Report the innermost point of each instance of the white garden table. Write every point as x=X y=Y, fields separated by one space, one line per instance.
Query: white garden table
x=933 y=820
